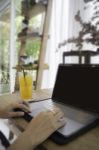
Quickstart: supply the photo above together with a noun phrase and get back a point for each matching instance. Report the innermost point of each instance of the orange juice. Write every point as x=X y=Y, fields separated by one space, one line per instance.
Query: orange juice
x=26 y=86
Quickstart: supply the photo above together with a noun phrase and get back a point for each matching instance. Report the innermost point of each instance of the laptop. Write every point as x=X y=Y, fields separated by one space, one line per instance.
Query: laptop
x=76 y=93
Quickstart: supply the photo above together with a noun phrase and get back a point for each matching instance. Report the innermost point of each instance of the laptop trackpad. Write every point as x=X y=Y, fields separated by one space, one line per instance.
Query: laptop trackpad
x=70 y=127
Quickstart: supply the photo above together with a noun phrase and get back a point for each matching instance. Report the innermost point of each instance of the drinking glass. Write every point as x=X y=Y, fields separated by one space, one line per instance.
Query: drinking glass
x=26 y=85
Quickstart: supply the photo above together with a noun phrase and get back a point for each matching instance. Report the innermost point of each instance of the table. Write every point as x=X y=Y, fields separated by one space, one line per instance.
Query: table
x=87 y=141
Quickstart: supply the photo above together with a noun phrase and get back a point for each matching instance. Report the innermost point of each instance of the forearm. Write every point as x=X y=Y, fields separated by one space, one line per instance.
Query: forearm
x=22 y=143
x=39 y=129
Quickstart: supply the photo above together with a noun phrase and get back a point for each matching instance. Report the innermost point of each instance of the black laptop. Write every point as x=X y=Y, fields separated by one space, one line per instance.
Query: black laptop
x=76 y=92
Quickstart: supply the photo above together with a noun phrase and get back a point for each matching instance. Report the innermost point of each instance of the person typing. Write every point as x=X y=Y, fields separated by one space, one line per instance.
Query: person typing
x=38 y=130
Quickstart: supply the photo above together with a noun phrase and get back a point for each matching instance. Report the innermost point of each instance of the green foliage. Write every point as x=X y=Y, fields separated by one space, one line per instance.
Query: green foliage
x=4 y=42
x=33 y=48
x=19 y=23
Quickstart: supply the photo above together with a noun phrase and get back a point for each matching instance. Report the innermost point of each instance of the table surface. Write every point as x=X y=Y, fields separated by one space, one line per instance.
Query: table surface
x=87 y=141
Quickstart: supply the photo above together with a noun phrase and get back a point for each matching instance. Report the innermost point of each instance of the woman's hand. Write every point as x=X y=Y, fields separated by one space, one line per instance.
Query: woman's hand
x=7 y=111
x=39 y=129
x=42 y=126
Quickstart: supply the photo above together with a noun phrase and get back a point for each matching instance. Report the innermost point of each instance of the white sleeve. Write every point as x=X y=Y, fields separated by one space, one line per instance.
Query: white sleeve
x=1 y=146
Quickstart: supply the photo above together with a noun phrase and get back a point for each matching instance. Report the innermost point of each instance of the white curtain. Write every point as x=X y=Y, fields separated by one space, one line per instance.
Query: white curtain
x=12 y=45
x=64 y=26
x=4 y=45
x=58 y=32
x=4 y=4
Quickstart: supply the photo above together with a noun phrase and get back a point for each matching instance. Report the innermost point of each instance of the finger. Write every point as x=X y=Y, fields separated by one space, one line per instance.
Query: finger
x=59 y=115
x=54 y=110
x=24 y=102
x=27 y=104
x=59 y=119
x=56 y=117
x=21 y=106
x=20 y=101
x=15 y=114
x=61 y=122
x=24 y=107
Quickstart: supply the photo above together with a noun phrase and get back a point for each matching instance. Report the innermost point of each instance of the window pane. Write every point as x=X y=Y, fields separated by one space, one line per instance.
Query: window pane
x=4 y=50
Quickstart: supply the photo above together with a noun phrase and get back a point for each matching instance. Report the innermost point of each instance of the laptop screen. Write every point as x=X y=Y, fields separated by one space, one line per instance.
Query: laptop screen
x=78 y=85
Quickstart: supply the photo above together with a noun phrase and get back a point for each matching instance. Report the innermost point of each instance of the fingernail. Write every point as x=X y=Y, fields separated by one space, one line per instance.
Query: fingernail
x=61 y=119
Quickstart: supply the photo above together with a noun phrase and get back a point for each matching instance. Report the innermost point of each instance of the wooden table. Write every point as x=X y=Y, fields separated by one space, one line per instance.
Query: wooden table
x=88 y=141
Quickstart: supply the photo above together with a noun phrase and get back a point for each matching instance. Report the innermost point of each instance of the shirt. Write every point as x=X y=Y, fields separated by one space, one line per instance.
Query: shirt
x=1 y=146
x=4 y=143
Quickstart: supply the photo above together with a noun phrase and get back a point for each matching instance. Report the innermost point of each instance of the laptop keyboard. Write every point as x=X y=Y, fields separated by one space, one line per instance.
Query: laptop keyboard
x=74 y=114
x=75 y=119
x=38 y=107
x=77 y=114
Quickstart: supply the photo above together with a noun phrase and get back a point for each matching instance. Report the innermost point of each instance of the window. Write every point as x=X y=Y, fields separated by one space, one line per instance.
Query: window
x=4 y=48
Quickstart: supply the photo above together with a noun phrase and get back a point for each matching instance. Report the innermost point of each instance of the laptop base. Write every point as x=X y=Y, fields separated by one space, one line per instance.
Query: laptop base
x=58 y=138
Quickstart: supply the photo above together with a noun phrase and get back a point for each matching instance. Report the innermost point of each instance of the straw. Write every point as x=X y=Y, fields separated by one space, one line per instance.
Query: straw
x=24 y=75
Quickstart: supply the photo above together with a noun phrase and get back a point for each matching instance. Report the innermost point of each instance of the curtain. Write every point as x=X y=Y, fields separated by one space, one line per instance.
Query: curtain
x=64 y=26
x=4 y=6
x=12 y=45
x=4 y=45
x=58 y=32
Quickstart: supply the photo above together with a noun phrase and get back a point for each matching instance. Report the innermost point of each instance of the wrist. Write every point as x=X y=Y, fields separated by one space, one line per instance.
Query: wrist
x=31 y=138
x=23 y=142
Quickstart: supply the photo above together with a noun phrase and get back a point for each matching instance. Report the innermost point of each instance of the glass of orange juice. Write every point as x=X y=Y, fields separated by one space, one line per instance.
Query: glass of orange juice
x=26 y=85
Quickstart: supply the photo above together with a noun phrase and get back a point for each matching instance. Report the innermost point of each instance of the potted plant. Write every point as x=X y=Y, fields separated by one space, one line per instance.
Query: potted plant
x=88 y=33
